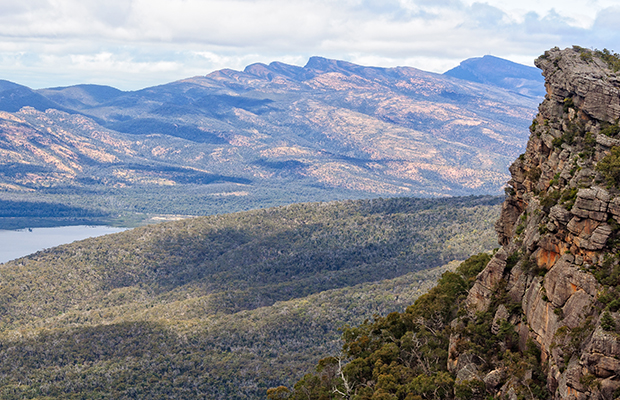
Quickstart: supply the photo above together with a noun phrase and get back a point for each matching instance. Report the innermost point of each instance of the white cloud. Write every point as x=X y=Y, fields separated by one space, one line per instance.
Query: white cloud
x=129 y=43
x=108 y=62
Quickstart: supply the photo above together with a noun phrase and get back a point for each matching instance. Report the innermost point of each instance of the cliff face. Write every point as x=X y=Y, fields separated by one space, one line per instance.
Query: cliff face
x=555 y=281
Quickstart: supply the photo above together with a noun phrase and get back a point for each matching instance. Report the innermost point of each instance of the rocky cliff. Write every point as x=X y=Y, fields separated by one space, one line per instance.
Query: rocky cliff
x=552 y=291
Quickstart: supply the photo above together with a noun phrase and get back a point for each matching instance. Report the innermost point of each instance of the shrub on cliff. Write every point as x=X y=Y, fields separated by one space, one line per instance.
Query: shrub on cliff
x=609 y=166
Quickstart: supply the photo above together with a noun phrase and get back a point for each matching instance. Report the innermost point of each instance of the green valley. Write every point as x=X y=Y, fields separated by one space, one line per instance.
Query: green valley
x=223 y=306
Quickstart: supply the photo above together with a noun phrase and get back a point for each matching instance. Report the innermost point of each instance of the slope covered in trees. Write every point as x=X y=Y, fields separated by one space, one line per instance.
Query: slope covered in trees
x=223 y=306
x=401 y=355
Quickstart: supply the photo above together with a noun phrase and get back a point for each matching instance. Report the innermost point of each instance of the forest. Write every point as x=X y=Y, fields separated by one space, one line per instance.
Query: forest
x=405 y=356
x=222 y=306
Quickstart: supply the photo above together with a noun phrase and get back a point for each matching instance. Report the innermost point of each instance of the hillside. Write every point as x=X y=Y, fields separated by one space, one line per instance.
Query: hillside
x=269 y=135
x=540 y=318
x=221 y=307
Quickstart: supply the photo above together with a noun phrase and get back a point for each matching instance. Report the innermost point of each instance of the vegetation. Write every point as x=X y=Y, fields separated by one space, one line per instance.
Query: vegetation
x=610 y=129
x=607 y=322
x=223 y=306
x=23 y=214
x=402 y=355
x=141 y=205
x=611 y=58
x=609 y=166
x=227 y=356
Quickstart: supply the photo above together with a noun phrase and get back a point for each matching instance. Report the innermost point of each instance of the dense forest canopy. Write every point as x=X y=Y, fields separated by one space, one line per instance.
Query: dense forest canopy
x=223 y=306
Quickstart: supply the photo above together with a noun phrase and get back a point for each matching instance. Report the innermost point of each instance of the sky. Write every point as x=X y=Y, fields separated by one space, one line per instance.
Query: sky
x=132 y=44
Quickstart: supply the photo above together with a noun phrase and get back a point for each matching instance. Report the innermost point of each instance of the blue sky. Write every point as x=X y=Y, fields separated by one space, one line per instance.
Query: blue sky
x=131 y=44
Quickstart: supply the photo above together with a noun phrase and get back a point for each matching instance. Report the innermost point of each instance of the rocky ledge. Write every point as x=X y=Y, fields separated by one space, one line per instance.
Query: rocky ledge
x=555 y=282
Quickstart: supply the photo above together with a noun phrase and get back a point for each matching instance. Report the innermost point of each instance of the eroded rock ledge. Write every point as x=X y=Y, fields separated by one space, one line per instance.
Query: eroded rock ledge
x=558 y=267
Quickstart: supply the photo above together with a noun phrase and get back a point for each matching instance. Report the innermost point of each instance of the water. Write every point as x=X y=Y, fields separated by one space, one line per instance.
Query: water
x=15 y=244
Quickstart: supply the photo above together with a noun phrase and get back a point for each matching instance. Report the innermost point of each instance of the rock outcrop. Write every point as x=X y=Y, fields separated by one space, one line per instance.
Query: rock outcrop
x=555 y=282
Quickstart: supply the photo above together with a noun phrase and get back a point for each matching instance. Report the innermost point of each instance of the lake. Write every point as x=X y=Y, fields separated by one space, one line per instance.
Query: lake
x=19 y=243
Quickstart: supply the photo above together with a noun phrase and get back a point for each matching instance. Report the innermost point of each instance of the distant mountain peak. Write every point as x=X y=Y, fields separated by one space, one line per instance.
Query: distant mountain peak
x=328 y=65
x=257 y=69
x=274 y=69
x=286 y=69
x=500 y=72
x=315 y=65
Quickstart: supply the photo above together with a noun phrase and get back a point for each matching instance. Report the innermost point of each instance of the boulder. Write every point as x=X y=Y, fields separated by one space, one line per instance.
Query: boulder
x=493 y=379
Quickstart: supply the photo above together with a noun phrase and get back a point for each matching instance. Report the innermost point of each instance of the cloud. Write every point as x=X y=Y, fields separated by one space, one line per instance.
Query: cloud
x=109 y=62
x=607 y=20
x=138 y=42
x=486 y=16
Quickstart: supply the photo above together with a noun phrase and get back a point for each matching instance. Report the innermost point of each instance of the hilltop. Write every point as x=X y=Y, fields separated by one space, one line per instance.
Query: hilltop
x=506 y=74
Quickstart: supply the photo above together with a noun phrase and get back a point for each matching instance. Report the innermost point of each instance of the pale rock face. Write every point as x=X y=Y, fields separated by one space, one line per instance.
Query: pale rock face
x=480 y=294
x=493 y=378
x=540 y=316
x=556 y=228
x=591 y=203
x=603 y=366
x=604 y=343
x=564 y=280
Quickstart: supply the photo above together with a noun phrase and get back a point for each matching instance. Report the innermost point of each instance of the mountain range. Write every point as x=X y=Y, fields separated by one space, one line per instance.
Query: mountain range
x=268 y=135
